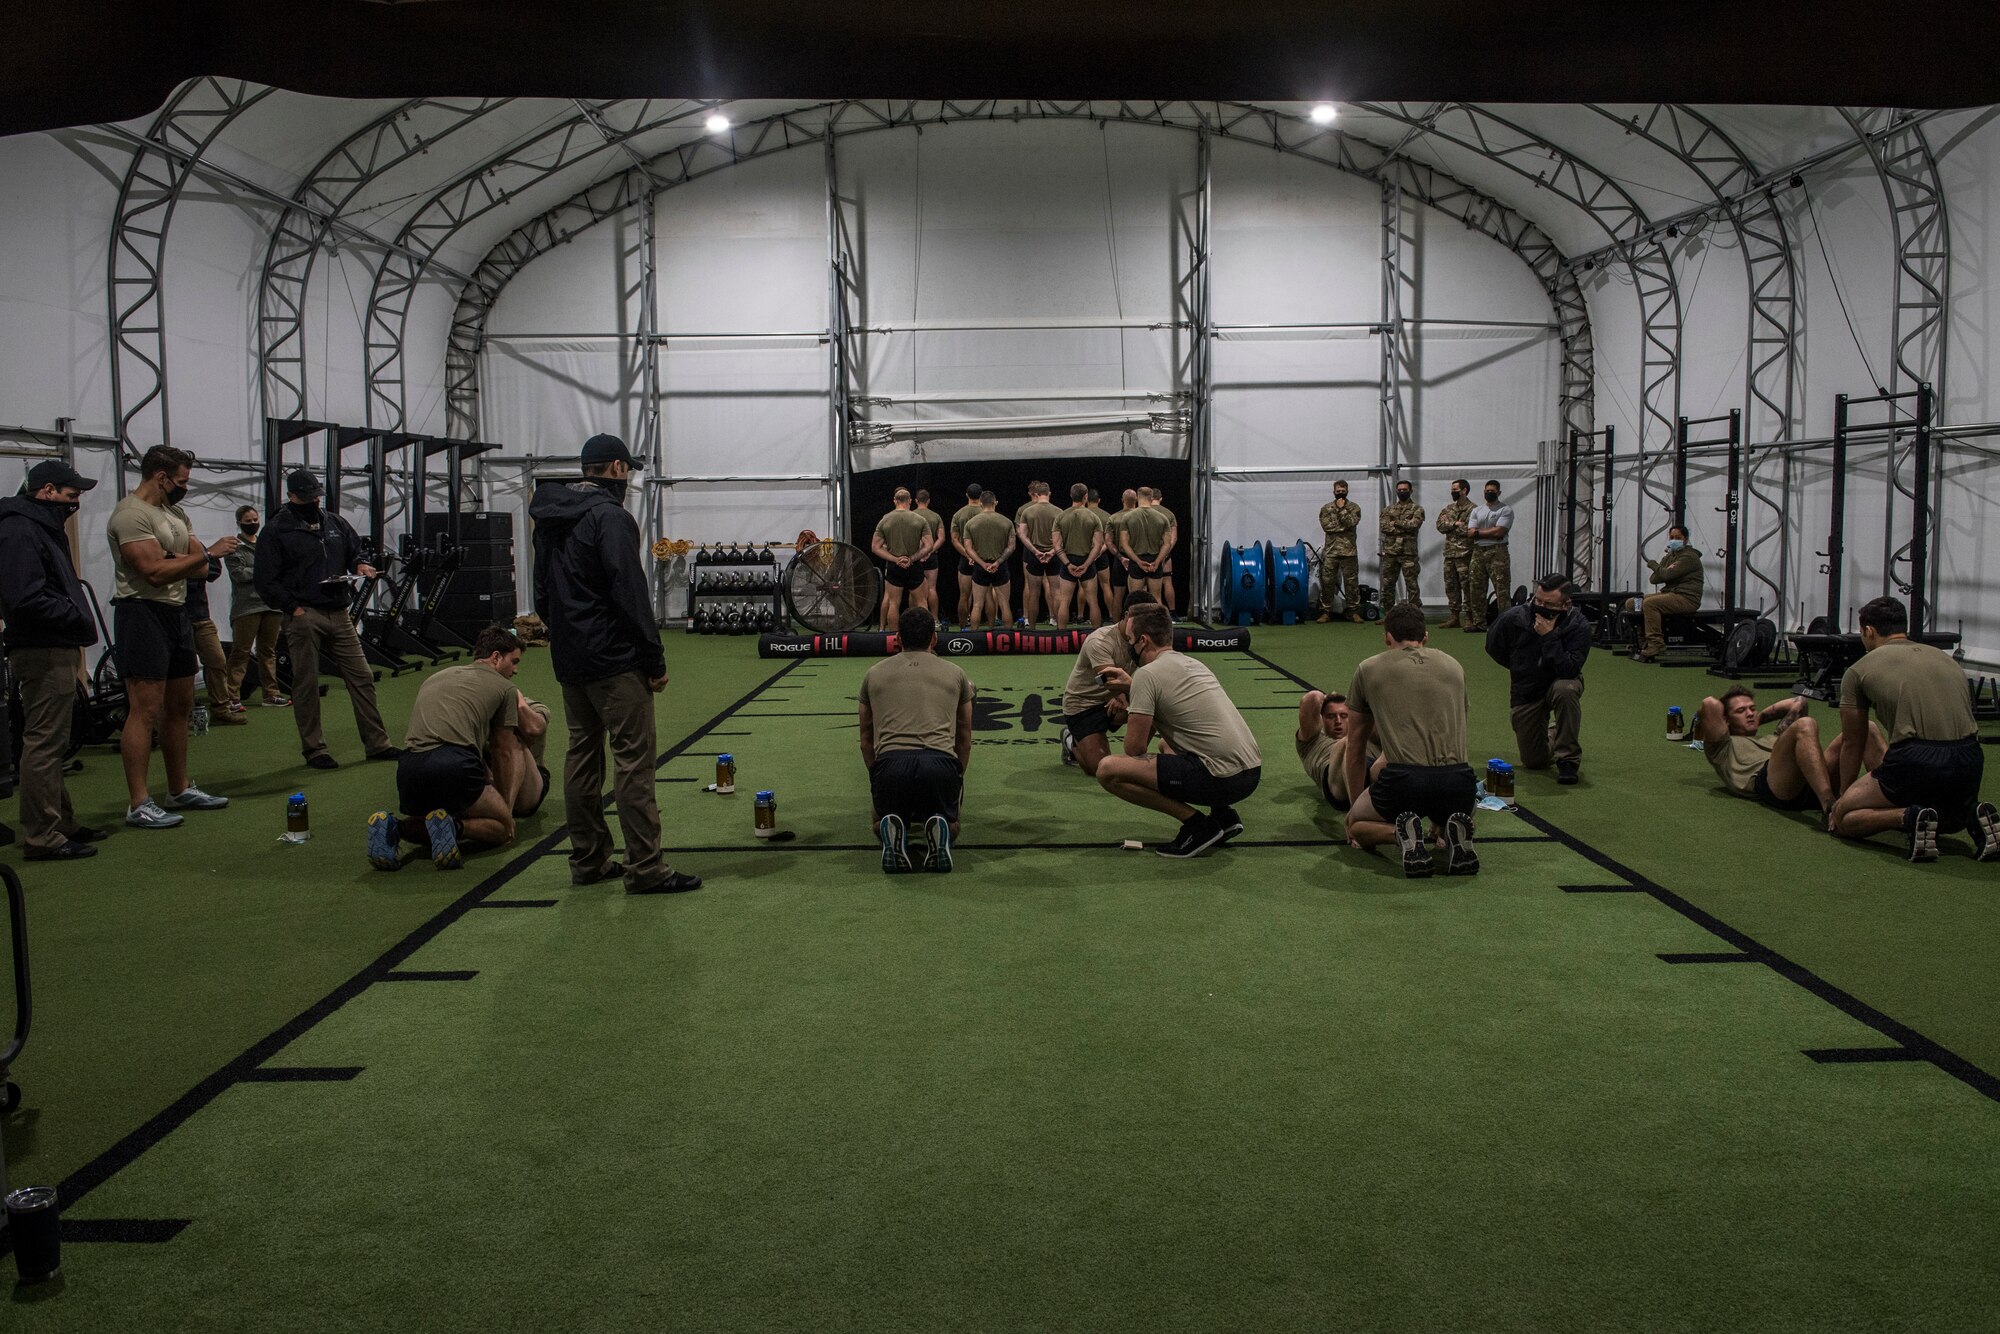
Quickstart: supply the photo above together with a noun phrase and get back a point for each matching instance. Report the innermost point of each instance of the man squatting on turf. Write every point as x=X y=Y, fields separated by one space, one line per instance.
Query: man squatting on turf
x=1092 y=708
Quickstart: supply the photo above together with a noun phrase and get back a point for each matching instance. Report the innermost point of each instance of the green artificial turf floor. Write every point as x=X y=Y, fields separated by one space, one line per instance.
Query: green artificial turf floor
x=1067 y=1086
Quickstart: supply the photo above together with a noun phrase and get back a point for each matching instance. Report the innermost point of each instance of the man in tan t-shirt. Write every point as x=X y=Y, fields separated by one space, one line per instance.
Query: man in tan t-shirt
x=955 y=534
x=155 y=552
x=1322 y=746
x=989 y=539
x=1079 y=538
x=1214 y=760
x=916 y=739
x=1035 y=526
x=1928 y=782
x=902 y=541
x=1788 y=770
x=1092 y=707
x=1411 y=698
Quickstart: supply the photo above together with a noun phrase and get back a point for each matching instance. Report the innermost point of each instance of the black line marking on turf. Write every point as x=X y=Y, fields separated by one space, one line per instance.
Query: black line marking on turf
x=139 y=1231
x=1596 y=889
x=1715 y=956
x=1110 y=844
x=732 y=734
x=302 y=1074
x=1859 y=1055
x=431 y=975
x=517 y=903
x=676 y=780
x=126 y=1151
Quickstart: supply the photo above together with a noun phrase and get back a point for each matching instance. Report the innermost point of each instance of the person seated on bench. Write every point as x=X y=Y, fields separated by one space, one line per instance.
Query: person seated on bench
x=1678 y=573
x=1322 y=743
x=1928 y=781
x=1788 y=770
x=471 y=762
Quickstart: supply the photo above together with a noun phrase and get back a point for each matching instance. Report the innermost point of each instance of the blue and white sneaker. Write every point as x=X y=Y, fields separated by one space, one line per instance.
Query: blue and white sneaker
x=148 y=815
x=937 y=844
x=1068 y=748
x=895 y=845
x=192 y=798
x=443 y=831
x=384 y=843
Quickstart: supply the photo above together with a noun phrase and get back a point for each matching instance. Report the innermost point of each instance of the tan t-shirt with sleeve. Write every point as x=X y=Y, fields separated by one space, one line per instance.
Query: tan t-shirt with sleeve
x=1194 y=713
x=1738 y=760
x=1917 y=691
x=134 y=521
x=914 y=700
x=1416 y=697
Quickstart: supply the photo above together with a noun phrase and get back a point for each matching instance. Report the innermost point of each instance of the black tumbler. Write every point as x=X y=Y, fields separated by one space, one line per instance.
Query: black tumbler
x=33 y=1222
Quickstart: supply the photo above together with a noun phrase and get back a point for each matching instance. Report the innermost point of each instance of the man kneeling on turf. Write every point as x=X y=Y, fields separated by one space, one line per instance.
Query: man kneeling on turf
x=1787 y=771
x=1214 y=760
x=916 y=739
x=1092 y=707
x=1413 y=698
x=471 y=763
x=1322 y=743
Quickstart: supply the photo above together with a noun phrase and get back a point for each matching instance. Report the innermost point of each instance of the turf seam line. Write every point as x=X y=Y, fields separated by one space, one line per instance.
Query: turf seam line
x=303 y=1074
x=1600 y=889
x=1717 y=956
x=140 y=1231
x=518 y=903
x=430 y=975
x=1860 y=1055
x=127 y=1150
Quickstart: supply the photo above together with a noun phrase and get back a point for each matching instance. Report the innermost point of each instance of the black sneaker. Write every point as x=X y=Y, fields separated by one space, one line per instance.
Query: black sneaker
x=1460 y=857
x=1566 y=772
x=895 y=845
x=1197 y=836
x=609 y=871
x=71 y=850
x=83 y=833
x=1231 y=822
x=673 y=882
x=1414 y=845
x=1985 y=833
x=1921 y=824
x=392 y=753
x=322 y=762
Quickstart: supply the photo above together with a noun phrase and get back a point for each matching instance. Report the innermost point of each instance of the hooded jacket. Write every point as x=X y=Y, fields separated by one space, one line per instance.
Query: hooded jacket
x=1536 y=662
x=1678 y=572
x=295 y=561
x=591 y=587
x=40 y=594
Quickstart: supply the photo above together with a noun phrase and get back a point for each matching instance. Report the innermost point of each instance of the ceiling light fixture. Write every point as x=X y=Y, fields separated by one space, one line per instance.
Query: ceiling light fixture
x=716 y=123
x=1324 y=114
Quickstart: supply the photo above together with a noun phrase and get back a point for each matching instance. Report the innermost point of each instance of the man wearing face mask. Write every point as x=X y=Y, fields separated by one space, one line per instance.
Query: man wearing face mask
x=1487 y=527
x=1401 y=522
x=1339 y=563
x=303 y=563
x=1678 y=573
x=48 y=627
x=605 y=647
x=253 y=627
x=1451 y=522
x=1542 y=646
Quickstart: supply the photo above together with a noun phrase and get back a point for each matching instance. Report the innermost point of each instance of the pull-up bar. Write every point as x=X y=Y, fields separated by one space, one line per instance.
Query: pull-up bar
x=1920 y=513
x=1576 y=439
x=1731 y=505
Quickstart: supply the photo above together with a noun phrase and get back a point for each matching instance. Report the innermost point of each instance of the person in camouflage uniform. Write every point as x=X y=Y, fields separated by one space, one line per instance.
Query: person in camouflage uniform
x=1339 y=562
x=1451 y=521
x=1488 y=528
x=1401 y=522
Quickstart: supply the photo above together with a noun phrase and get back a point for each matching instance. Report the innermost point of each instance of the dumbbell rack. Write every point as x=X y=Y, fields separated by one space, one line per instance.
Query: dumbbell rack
x=735 y=590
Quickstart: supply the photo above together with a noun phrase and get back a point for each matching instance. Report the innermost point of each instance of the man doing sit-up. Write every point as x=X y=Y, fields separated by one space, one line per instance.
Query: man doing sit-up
x=1092 y=707
x=1788 y=770
x=1322 y=743
x=1214 y=760
x=471 y=762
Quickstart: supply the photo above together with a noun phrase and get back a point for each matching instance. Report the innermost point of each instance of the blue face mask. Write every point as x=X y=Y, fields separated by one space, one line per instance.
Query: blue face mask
x=1675 y=544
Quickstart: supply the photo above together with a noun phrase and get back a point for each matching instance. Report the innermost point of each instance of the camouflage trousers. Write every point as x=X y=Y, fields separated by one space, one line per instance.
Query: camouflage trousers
x=1341 y=574
x=1491 y=573
x=1404 y=567
x=1457 y=581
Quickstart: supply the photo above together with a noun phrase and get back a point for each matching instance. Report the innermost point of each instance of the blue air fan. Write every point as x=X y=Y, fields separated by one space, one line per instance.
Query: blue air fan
x=1291 y=583
x=1244 y=584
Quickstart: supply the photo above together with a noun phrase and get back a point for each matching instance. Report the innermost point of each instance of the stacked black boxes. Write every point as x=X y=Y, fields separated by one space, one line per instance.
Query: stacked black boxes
x=481 y=591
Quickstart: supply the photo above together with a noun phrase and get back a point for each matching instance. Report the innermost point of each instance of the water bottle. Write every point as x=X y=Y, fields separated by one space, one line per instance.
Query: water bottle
x=766 y=814
x=1676 y=725
x=725 y=774
x=198 y=720
x=298 y=824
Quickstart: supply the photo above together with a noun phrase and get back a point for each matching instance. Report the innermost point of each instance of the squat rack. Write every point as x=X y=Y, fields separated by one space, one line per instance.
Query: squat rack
x=1920 y=510
x=1732 y=510
x=1576 y=438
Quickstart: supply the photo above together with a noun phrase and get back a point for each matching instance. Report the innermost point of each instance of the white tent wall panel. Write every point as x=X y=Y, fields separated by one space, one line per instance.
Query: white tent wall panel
x=336 y=309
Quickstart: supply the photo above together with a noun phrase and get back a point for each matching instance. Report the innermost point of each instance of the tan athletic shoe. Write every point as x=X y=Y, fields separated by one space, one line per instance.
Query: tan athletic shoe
x=1354 y=616
x=1451 y=624
x=1324 y=617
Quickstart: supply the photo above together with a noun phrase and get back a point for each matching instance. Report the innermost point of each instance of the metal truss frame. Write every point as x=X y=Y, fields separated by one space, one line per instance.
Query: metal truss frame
x=169 y=154
x=1201 y=382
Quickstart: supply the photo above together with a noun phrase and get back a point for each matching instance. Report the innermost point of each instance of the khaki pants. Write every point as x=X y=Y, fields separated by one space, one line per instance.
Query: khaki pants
x=313 y=631
x=214 y=664
x=1457 y=581
x=1656 y=606
x=48 y=679
x=1547 y=728
x=619 y=709
x=1406 y=567
x=259 y=632
x=1342 y=574
x=1490 y=567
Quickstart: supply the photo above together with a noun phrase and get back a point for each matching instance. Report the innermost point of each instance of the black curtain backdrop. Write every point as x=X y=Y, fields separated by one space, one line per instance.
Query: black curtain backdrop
x=872 y=494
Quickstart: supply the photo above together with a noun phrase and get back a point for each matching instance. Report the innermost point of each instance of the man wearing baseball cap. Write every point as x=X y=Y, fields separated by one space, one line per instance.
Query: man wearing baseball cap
x=590 y=587
x=303 y=562
x=48 y=626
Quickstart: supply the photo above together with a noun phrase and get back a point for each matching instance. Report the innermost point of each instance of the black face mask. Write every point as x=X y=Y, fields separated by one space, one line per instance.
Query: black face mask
x=1493 y=497
x=1457 y=494
x=249 y=529
x=176 y=495
x=1402 y=497
x=63 y=509
x=1340 y=495
x=307 y=510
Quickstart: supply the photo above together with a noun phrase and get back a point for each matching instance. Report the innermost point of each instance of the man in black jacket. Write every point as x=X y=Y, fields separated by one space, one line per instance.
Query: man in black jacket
x=303 y=561
x=48 y=627
x=604 y=644
x=1543 y=644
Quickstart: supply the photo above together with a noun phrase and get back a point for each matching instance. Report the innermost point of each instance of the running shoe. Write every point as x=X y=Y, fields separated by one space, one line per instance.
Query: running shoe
x=1068 y=748
x=1985 y=832
x=277 y=701
x=673 y=882
x=1231 y=822
x=1197 y=836
x=192 y=798
x=895 y=845
x=383 y=844
x=148 y=815
x=937 y=844
x=1416 y=848
x=1460 y=857
x=444 y=841
x=1921 y=824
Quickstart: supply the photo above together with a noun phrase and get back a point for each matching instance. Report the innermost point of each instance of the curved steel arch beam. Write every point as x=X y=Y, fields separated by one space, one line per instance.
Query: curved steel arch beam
x=826 y=122
x=193 y=117
x=408 y=131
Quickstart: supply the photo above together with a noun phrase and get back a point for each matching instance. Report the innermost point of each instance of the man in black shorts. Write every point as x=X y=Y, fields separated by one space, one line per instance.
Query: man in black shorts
x=916 y=741
x=1787 y=771
x=1118 y=575
x=989 y=540
x=471 y=765
x=902 y=540
x=955 y=533
x=1092 y=708
x=1214 y=761
x=1410 y=699
x=1079 y=539
x=1100 y=573
x=1035 y=526
x=935 y=521
x=1928 y=781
